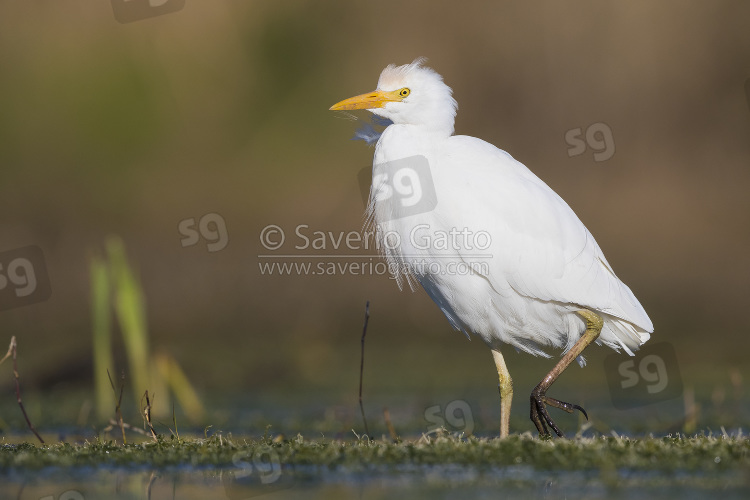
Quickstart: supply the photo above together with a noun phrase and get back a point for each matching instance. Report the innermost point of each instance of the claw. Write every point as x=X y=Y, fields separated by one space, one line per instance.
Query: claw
x=541 y=417
x=582 y=411
x=569 y=407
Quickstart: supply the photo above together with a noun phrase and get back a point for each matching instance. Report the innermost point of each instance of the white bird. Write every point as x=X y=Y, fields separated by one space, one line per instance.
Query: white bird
x=501 y=254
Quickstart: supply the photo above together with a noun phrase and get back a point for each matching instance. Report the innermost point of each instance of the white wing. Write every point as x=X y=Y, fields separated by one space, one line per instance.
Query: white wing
x=540 y=247
x=541 y=265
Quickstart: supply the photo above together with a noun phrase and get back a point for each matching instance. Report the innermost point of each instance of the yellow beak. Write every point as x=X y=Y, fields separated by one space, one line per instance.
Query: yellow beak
x=370 y=100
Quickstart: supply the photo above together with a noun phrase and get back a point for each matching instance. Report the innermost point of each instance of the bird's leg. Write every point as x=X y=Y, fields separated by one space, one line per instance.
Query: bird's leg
x=506 y=392
x=539 y=399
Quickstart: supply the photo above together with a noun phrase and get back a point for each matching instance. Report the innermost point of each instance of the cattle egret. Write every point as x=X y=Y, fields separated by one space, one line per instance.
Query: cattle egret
x=501 y=254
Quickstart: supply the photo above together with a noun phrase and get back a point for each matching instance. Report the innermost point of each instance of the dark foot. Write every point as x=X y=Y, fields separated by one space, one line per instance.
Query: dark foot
x=540 y=416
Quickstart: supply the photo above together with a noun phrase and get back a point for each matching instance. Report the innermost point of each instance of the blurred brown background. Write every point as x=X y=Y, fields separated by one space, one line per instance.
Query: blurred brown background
x=222 y=107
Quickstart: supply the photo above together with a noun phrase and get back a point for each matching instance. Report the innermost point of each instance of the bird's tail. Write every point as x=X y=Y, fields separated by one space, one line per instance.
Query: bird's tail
x=620 y=334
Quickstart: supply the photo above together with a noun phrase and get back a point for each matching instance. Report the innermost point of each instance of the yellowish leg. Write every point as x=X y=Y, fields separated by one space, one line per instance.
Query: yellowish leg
x=506 y=392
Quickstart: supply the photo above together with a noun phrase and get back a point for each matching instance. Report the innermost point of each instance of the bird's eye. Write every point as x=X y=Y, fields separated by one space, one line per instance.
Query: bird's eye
x=404 y=92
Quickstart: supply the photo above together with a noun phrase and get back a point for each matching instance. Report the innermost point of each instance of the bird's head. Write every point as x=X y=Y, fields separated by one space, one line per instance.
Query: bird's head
x=411 y=94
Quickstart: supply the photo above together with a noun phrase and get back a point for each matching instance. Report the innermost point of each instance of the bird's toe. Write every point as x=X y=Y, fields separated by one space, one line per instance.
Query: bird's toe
x=541 y=417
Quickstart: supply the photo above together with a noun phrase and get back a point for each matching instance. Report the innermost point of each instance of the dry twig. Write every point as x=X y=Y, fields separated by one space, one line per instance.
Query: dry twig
x=147 y=416
x=389 y=424
x=114 y=423
x=362 y=365
x=118 y=410
x=12 y=348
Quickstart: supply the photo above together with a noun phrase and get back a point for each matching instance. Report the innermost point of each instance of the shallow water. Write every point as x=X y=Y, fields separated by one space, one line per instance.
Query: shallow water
x=434 y=482
x=319 y=417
